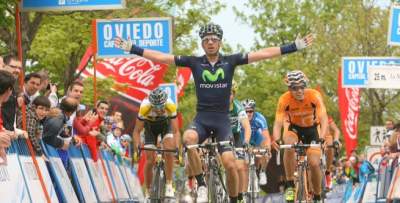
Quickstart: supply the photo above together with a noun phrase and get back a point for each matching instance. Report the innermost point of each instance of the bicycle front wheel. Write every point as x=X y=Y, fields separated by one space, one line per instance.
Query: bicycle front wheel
x=157 y=185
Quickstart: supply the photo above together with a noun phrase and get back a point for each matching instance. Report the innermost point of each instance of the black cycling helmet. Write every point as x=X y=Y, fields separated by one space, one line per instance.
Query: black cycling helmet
x=210 y=29
x=249 y=104
x=158 y=97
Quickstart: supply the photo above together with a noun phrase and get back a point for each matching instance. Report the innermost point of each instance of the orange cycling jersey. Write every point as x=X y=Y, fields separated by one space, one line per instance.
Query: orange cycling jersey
x=304 y=113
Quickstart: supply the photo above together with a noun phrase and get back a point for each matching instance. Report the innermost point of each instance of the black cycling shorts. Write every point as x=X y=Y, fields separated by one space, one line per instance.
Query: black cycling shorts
x=305 y=134
x=216 y=123
x=154 y=129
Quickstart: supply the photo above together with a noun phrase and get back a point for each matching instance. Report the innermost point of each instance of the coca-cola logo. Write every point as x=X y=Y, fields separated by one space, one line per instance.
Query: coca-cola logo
x=137 y=70
x=139 y=74
x=351 y=120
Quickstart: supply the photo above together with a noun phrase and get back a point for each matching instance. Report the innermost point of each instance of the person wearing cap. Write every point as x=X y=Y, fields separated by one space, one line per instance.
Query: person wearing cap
x=213 y=74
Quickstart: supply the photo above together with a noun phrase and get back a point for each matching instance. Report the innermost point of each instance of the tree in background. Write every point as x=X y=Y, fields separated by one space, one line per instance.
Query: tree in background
x=342 y=28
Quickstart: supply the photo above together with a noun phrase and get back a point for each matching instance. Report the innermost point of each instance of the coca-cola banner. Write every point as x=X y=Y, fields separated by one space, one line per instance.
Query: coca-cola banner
x=182 y=78
x=349 y=107
x=139 y=74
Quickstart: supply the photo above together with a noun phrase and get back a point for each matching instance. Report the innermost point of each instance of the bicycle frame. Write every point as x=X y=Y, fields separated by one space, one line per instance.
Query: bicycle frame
x=159 y=181
x=301 y=174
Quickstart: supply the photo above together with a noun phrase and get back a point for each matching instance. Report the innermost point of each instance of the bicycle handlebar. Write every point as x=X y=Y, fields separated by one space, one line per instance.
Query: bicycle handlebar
x=158 y=149
x=206 y=145
x=254 y=150
x=289 y=146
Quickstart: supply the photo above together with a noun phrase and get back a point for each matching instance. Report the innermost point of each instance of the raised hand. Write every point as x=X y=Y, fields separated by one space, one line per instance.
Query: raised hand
x=123 y=44
x=302 y=43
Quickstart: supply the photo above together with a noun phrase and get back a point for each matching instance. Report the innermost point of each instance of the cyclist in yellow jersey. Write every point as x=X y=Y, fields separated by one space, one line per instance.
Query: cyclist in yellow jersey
x=304 y=109
x=157 y=116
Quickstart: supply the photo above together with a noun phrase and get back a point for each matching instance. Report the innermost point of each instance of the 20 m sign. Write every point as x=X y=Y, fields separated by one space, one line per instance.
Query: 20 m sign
x=148 y=33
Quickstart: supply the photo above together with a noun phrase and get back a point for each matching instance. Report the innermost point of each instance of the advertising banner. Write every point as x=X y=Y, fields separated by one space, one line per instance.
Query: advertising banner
x=31 y=176
x=147 y=33
x=81 y=175
x=60 y=175
x=96 y=175
x=385 y=77
x=71 y=5
x=12 y=183
x=136 y=77
x=349 y=108
x=394 y=25
x=115 y=175
x=355 y=69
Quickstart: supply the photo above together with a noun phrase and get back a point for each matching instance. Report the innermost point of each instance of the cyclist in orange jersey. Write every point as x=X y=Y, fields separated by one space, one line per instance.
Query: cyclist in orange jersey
x=304 y=109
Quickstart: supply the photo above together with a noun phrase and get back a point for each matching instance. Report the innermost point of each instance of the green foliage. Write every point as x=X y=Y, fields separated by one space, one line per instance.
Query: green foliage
x=341 y=28
x=103 y=90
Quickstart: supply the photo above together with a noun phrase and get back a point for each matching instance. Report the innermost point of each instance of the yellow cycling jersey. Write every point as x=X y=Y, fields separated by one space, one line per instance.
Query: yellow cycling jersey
x=147 y=113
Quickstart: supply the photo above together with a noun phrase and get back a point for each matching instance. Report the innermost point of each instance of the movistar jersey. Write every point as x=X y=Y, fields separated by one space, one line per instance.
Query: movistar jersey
x=213 y=82
x=258 y=124
x=236 y=114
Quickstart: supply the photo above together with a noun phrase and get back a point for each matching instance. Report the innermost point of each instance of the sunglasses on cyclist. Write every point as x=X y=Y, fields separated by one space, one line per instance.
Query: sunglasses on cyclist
x=297 y=88
x=213 y=39
x=249 y=111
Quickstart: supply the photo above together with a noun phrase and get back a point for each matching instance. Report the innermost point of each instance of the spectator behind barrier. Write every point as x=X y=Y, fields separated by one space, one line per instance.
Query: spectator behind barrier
x=13 y=66
x=31 y=89
x=88 y=127
x=7 y=82
x=47 y=88
x=35 y=117
x=55 y=130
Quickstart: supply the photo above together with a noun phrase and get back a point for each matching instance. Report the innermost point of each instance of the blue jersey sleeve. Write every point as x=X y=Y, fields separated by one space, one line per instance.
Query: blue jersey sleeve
x=183 y=61
x=261 y=121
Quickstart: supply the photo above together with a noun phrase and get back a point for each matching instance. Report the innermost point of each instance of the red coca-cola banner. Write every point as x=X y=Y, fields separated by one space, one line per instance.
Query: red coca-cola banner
x=182 y=78
x=139 y=74
x=349 y=107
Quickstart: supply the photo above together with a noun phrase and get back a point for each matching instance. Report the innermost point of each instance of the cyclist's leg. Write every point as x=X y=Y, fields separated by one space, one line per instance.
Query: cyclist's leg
x=243 y=172
x=314 y=159
x=224 y=133
x=169 y=143
x=194 y=135
x=329 y=152
x=150 y=138
x=289 y=159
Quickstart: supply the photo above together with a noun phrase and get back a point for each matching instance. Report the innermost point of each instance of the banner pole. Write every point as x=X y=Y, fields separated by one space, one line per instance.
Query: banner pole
x=23 y=109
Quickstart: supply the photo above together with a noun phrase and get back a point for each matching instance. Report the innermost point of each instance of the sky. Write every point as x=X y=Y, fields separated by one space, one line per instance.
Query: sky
x=237 y=32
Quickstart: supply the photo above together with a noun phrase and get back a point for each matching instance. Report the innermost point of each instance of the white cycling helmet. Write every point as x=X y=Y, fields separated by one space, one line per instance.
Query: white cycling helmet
x=249 y=104
x=296 y=77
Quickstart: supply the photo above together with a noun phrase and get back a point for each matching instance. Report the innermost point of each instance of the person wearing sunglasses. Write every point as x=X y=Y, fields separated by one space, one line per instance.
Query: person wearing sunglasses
x=157 y=116
x=303 y=109
x=213 y=74
x=260 y=136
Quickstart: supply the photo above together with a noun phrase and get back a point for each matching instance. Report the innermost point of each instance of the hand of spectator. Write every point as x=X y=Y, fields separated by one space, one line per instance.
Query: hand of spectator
x=77 y=141
x=94 y=133
x=20 y=101
x=65 y=145
x=90 y=116
x=20 y=133
x=45 y=158
x=3 y=156
x=53 y=88
x=5 y=139
x=103 y=145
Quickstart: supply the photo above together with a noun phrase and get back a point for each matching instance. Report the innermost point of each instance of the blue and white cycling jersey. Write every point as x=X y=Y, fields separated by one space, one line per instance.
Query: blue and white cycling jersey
x=258 y=124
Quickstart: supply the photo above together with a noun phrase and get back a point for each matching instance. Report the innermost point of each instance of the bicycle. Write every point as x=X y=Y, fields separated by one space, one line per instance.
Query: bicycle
x=157 y=186
x=301 y=174
x=251 y=155
x=217 y=192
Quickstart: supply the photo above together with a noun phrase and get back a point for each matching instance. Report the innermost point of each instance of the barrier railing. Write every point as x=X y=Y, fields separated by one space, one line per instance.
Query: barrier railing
x=84 y=181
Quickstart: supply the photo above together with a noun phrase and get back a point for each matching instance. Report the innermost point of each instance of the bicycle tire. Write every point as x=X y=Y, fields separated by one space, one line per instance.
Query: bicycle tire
x=300 y=187
x=157 y=185
x=253 y=191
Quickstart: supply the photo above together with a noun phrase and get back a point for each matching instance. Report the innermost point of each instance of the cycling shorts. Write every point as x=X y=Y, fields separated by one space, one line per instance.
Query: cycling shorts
x=154 y=129
x=217 y=124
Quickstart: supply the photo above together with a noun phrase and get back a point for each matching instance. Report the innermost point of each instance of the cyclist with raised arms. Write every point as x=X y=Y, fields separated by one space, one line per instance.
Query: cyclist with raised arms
x=157 y=116
x=260 y=136
x=239 y=123
x=213 y=74
x=304 y=109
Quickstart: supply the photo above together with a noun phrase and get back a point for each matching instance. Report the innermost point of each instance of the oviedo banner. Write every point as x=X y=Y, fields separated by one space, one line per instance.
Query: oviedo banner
x=349 y=107
x=139 y=74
